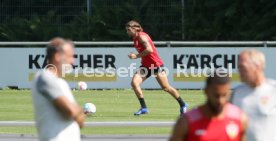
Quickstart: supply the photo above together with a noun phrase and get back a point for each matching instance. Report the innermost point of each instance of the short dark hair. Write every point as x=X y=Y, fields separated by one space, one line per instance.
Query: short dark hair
x=218 y=78
x=55 y=45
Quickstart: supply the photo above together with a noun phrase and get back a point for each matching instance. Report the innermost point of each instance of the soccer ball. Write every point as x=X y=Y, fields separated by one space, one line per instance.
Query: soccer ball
x=89 y=108
x=82 y=85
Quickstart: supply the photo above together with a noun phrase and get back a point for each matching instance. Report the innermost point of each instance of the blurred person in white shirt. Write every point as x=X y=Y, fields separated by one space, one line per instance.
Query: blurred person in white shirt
x=58 y=116
x=256 y=97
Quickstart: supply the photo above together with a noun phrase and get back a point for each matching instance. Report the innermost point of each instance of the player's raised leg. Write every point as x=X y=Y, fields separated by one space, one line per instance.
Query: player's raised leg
x=136 y=82
x=162 y=79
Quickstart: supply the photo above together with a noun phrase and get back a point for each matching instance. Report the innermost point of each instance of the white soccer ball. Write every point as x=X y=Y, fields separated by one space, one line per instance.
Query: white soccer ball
x=89 y=108
x=82 y=85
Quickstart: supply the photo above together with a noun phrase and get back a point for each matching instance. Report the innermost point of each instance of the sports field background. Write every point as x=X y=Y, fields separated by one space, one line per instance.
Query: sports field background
x=112 y=105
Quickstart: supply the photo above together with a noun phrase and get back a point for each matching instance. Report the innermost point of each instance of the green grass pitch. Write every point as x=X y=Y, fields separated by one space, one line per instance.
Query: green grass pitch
x=112 y=105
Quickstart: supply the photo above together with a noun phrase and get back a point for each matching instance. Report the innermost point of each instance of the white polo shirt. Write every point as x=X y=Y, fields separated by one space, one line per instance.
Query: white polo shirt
x=259 y=104
x=50 y=123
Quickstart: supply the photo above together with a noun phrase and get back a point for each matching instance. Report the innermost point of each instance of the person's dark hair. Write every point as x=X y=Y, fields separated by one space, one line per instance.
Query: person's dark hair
x=218 y=78
x=55 y=45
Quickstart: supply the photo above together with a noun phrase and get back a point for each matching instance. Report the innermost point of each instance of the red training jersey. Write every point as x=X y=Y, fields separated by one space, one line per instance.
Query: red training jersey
x=151 y=60
x=202 y=128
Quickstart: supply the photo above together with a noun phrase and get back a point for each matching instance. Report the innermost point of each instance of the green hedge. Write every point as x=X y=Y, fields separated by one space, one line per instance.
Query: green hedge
x=37 y=20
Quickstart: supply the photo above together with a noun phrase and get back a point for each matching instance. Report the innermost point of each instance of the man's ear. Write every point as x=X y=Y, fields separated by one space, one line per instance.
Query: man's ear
x=57 y=57
x=259 y=67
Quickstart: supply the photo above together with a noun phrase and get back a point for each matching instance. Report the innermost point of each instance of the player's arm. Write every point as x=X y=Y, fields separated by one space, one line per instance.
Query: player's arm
x=143 y=39
x=69 y=109
x=180 y=130
x=244 y=121
x=52 y=90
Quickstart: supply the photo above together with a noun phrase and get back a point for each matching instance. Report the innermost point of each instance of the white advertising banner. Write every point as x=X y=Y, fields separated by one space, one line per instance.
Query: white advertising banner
x=107 y=68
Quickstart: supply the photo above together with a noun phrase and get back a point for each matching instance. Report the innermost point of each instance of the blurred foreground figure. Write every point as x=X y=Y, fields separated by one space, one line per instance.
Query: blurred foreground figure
x=57 y=115
x=256 y=97
x=216 y=120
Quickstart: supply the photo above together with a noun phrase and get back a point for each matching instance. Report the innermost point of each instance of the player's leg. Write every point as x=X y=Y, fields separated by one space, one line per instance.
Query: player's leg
x=138 y=78
x=136 y=82
x=162 y=79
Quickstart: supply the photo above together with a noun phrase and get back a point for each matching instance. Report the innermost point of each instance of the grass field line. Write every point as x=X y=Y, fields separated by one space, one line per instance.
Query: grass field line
x=122 y=136
x=99 y=124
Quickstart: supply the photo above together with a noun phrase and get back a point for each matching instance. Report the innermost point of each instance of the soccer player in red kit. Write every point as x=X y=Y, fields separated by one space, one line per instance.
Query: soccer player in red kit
x=151 y=64
x=216 y=120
